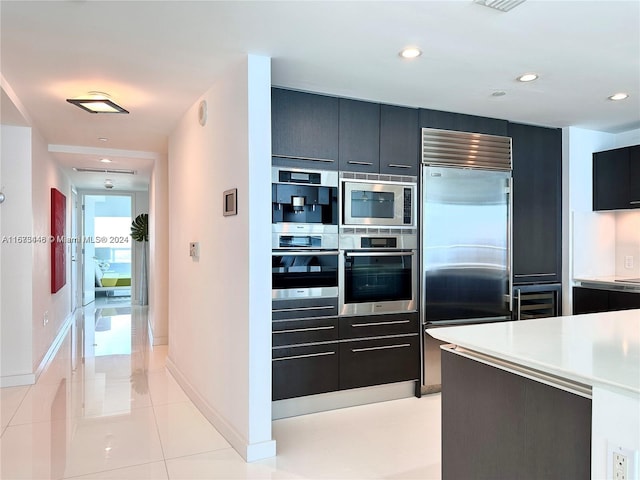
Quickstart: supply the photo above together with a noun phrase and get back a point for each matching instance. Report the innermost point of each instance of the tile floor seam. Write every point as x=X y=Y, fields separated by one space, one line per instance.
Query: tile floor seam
x=16 y=409
x=109 y=470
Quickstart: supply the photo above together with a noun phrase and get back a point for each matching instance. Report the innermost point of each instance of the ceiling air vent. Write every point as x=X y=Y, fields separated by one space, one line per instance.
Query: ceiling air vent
x=502 y=5
x=103 y=170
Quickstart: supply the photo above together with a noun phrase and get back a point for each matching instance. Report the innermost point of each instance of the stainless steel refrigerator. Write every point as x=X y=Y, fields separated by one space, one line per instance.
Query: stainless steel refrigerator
x=465 y=234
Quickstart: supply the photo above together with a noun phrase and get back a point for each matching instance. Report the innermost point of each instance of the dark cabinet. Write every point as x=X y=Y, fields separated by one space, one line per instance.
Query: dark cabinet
x=594 y=300
x=304 y=129
x=496 y=424
x=399 y=140
x=537 y=203
x=616 y=179
x=375 y=361
x=359 y=136
x=462 y=122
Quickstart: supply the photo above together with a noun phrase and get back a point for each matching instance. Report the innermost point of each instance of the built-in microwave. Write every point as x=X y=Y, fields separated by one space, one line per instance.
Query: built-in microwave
x=377 y=200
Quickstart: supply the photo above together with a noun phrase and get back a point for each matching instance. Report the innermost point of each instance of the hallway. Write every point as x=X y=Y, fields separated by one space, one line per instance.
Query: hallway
x=107 y=408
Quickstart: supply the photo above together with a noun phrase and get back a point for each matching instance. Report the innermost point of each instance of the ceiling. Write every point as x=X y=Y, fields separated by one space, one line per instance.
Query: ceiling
x=156 y=58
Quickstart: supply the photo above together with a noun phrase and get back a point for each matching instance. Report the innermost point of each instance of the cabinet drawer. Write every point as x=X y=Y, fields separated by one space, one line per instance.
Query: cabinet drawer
x=383 y=360
x=305 y=370
x=310 y=330
x=304 y=308
x=378 y=325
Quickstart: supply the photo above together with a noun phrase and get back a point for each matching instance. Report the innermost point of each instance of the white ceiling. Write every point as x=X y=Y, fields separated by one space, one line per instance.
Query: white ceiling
x=157 y=58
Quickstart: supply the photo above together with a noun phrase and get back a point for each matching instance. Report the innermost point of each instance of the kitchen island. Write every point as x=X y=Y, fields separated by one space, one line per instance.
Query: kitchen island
x=545 y=398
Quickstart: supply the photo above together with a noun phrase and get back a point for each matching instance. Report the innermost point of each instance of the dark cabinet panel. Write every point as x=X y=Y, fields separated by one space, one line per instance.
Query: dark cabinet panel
x=462 y=122
x=497 y=424
x=611 y=179
x=623 y=300
x=304 y=308
x=308 y=330
x=378 y=325
x=634 y=176
x=593 y=300
x=359 y=136
x=376 y=361
x=537 y=203
x=304 y=370
x=304 y=129
x=399 y=140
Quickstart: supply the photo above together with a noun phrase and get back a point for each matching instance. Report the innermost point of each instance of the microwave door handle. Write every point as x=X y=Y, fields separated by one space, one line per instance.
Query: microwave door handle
x=378 y=254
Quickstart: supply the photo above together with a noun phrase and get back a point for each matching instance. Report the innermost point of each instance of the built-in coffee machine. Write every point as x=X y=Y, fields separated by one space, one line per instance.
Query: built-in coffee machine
x=304 y=208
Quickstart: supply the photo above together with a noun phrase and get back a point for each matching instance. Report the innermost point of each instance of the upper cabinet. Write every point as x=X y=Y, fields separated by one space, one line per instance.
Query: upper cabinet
x=359 y=136
x=537 y=203
x=304 y=129
x=616 y=179
x=463 y=123
x=399 y=140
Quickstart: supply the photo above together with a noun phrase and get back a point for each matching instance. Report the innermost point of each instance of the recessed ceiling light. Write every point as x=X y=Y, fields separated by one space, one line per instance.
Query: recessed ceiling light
x=97 y=102
x=103 y=139
x=499 y=93
x=105 y=160
x=527 y=77
x=410 y=52
x=619 y=96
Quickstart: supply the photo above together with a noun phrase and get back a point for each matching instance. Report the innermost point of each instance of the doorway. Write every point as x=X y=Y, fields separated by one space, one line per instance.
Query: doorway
x=107 y=248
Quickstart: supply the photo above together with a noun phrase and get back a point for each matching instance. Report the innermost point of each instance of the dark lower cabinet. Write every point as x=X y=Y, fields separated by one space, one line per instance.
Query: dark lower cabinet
x=305 y=370
x=376 y=361
x=594 y=300
x=499 y=425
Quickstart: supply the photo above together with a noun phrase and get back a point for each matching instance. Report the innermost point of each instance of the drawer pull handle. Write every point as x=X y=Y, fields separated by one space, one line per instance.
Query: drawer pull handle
x=309 y=355
x=399 y=165
x=280 y=310
x=310 y=329
x=353 y=162
x=374 y=324
x=634 y=202
x=535 y=275
x=310 y=159
x=385 y=347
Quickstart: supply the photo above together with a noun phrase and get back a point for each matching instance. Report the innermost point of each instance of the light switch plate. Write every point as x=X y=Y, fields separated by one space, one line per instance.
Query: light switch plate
x=194 y=249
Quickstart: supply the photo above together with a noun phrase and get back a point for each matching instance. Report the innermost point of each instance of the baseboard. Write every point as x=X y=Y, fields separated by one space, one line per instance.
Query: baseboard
x=323 y=402
x=250 y=452
x=31 y=378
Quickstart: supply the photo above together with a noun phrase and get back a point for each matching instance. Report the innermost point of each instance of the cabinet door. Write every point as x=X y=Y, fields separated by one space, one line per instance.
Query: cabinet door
x=537 y=203
x=359 y=136
x=590 y=300
x=623 y=300
x=399 y=140
x=634 y=176
x=377 y=361
x=462 y=123
x=304 y=370
x=304 y=129
x=611 y=179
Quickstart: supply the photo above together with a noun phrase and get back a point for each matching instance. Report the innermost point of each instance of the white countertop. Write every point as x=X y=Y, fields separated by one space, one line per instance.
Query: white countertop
x=597 y=349
x=613 y=281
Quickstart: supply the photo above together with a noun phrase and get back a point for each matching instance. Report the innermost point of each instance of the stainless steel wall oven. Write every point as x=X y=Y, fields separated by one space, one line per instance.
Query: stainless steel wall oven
x=377 y=276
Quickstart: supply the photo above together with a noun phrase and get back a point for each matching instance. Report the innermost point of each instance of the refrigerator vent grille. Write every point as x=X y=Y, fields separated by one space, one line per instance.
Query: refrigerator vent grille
x=502 y=5
x=468 y=150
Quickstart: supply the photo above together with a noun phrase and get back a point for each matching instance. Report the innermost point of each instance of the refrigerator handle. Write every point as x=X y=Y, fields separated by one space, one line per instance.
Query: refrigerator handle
x=510 y=239
x=517 y=293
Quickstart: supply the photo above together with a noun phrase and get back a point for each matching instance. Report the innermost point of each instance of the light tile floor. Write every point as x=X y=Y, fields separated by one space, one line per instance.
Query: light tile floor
x=107 y=408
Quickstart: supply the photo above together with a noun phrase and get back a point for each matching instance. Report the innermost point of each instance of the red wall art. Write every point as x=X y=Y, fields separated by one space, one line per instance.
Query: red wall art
x=58 y=230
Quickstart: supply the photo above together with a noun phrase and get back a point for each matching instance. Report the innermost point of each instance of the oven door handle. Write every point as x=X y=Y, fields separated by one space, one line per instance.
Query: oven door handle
x=310 y=253
x=378 y=254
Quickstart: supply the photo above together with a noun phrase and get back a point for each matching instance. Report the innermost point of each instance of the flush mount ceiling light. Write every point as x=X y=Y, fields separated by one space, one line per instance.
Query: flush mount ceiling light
x=105 y=160
x=619 y=96
x=527 y=77
x=410 y=52
x=502 y=5
x=97 y=102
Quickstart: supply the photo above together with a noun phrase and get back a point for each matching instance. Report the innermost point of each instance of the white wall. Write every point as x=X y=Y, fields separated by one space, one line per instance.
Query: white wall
x=159 y=252
x=16 y=352
x=219 y=303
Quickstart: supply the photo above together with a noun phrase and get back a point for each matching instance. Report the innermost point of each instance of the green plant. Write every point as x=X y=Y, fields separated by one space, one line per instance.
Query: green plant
x=140 y=228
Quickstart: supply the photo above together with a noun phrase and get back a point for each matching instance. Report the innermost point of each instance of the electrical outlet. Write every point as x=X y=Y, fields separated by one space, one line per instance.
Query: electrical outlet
x=628 y=261
x=45 y=318
x=621 y=462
